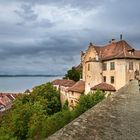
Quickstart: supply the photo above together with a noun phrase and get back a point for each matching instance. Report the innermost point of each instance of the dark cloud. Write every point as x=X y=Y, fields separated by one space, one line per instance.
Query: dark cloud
x=44 y=23
x=26 y=13
x=58 y=52
x=46 y=36
x=86 y=4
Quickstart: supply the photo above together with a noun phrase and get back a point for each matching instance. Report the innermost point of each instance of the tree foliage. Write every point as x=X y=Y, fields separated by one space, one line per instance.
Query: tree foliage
x=88 y=101
x=29 y=112
x=73 y=74
x=38 y=115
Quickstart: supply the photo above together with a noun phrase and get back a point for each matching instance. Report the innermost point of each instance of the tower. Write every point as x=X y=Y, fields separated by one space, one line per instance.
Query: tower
x=92 y=68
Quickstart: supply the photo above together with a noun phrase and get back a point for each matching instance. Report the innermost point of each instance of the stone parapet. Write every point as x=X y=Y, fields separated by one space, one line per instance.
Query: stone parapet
x=115 y=118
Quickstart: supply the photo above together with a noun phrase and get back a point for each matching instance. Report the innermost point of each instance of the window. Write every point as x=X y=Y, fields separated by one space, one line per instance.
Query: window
x=131 y=51
x=104 y=66
x=72 y=101
x=104 y=78
x=72 y=93
x=88 y=67
x=130 y=65
x=112 y=65
x=112 y=79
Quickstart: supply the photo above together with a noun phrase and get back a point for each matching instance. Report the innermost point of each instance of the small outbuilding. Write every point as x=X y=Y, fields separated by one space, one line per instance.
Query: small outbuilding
x=75 y=92
x=106 y=88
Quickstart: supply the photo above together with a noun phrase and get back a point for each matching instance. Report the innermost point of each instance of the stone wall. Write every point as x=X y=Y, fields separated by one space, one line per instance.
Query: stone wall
x=115 y=118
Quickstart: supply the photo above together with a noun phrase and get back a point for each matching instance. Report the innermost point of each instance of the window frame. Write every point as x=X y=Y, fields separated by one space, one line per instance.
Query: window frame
x=112 y=79
x=131 y=65
x=112 y=65
x=104 y=79
x=72 y=101
x=104 y=66
x=72 y=93
x=88 y=66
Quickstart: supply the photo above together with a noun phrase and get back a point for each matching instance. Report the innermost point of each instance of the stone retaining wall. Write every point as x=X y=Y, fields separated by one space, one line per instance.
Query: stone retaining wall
x=115 y=118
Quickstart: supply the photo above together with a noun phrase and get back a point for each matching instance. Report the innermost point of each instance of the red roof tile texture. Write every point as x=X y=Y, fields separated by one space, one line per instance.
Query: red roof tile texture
x=63 y=82
x=78 y=87
x=117 y=49
x=104 y=86
x=7 y=98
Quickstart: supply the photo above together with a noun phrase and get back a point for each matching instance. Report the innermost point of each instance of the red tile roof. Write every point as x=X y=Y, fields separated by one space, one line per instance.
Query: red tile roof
x=78 y=87
x=104 y=86
x=117 y=49
x=63 y=82
x=6 y=99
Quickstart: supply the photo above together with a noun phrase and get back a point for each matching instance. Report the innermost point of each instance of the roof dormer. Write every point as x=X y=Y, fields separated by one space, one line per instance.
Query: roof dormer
x=131 y=51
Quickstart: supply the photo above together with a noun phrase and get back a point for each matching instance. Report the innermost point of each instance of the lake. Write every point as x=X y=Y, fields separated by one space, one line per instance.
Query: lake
x=20 y=84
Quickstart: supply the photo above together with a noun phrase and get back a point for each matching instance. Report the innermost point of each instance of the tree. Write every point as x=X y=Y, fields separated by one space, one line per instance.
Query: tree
x=57 y=121
x=26 y=118
x=38 y=115
x=88 y=101
x=66 y=105
x=73 y=74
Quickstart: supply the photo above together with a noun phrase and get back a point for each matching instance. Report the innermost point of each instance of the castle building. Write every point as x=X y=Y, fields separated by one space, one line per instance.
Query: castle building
x=109 y=67
x=75 y=92
x=62 y=86
x=69 y=90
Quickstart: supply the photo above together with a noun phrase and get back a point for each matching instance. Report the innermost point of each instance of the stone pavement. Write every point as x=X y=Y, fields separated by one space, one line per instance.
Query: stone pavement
x=115 y=118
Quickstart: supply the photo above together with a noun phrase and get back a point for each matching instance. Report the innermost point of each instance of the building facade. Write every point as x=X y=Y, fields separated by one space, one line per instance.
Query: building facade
x=74 y=93
x=114 y=64
x=62 y=86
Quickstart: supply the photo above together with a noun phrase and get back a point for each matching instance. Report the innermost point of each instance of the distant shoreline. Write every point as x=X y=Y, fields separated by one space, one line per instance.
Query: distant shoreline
x=19 y=83
x=22 y=75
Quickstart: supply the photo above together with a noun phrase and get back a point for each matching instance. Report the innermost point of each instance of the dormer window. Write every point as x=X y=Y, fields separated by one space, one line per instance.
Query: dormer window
x=131 y=51
x=97 y=58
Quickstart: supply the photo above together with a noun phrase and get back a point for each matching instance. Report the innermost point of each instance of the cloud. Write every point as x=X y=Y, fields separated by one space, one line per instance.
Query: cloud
x=26 y=13
x=46 y=36
x=82 y=4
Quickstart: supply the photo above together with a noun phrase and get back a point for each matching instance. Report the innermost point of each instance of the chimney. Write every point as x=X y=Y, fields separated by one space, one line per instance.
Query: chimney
x=113 y=40
x=120 y=36
x=90 y=44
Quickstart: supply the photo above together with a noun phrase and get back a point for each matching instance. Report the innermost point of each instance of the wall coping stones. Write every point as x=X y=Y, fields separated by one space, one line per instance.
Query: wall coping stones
x=115 y=118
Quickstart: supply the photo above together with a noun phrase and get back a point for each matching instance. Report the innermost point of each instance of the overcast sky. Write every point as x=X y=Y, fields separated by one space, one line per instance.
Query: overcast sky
x=46 y=36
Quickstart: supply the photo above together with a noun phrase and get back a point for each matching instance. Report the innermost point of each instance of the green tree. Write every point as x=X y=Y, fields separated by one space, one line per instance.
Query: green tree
x=65 y=106
x=38 y=115
x=88 y=101
x=73 y=74
x=57 y=121
x=25 y=120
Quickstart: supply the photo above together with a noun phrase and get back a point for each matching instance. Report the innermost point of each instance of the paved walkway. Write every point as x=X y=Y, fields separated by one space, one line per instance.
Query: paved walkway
x=116 y=118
